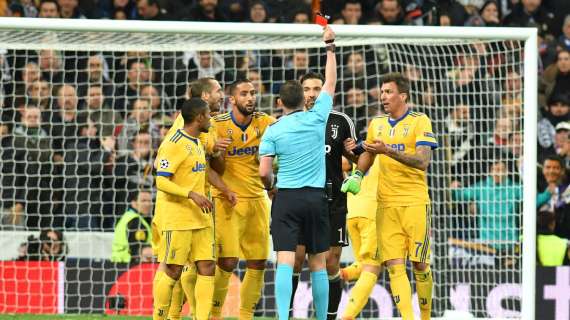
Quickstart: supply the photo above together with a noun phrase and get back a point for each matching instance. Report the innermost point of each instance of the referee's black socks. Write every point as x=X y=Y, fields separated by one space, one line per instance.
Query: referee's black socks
x=335 y=294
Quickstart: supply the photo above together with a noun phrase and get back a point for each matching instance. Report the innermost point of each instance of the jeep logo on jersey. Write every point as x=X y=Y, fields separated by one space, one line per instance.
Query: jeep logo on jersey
x=199 y=167
x=247 y=151
x=334 y=129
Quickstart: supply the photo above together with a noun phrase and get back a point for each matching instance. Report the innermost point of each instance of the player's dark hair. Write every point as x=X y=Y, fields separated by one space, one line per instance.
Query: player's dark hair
x=192 y=108
x=312 y=75
x=402 y=82
x=235 y=84
x=198 y=87
x=291 y=94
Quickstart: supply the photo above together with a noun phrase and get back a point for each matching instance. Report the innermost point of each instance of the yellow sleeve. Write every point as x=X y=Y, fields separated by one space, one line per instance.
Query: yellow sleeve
x=370 y=133
x=164 y=184
x=424 y=133
x=178 y=124
x=169 y=157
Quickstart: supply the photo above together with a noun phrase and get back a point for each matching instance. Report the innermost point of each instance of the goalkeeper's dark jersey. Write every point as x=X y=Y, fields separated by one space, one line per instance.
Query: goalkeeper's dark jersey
x=339 y=128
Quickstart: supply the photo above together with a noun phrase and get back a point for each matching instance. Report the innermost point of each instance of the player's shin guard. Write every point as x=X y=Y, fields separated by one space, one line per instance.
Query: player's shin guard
x=221 y=282
x=176 y=302
x=359 y=294
x=203 y=293
x=283 y=290
x=188 y=282
x=335 y=293
x=295 y=283
x=250 y=292
x=424 y=285
x=320 y=288
x=352 y=272
x=162 y=293
x=401 y=290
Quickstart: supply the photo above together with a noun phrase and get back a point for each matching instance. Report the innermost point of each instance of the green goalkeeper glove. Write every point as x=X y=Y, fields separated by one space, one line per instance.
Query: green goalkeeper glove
x=352 y=183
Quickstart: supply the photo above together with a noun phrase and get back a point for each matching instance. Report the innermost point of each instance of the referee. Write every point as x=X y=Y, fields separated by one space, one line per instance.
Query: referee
x=300 y=209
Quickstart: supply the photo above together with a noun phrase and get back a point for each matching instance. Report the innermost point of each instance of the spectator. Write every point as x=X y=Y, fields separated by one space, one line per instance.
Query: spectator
x=207 y=11
x=552 y=251
x=389 y=12
x=235 y=10
x=352 y=12
x=100 y=113
x=139 y=74
x=51 y=66
x=258 y=12
x=85 y=170
x=203 y=64
x=164 y=124
x=564 y=39
x=265 y=100
x=459 y=129
x=139 y=119
x=159 y=104
x=96 y=74
x=50 y=246
x=109 y=8
x=69 y=9
x=65 y=117
x=49 y=9
x=497 y=199
x=556 y=77
x=553 y=172
x=489 y=15
x=133 y=231
x=297 y=65
x=301 y=17
x=527 y=13
x=32 y=156
x=150 y=10
x=356 y=107
x=133 y=170
x=557 y=111
x=39 y=94
x=500 y=136
x=451 y=13
x=30 y=73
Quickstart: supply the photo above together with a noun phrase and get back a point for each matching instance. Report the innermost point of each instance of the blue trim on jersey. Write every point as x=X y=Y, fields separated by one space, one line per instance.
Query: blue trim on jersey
x=393 y=122
x=182 y=134
x=427 y=143
x=164 y=174
x=243 y=128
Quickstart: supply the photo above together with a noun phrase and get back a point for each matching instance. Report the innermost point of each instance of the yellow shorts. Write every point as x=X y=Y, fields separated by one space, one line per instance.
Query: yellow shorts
x=362 y=232
x=405 y=233
x=184 y=246
x=242 y=229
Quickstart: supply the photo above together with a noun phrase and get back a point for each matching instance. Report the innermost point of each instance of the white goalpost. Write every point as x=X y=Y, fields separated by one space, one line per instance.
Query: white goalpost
x=77 y=166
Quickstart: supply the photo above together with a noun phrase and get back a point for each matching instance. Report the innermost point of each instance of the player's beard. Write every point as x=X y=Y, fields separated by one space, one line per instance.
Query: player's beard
x=245 y=110
x=310 y=103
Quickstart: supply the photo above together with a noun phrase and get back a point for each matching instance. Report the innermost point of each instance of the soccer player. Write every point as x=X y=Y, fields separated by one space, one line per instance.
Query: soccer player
x=403 y=140
x=300 y=208
x=339 y=129
x=362 y=230
x=243 y=228
x=183 y=212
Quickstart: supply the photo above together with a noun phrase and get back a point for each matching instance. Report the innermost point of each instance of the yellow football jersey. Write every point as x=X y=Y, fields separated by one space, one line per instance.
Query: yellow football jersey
x=399 y=184
x=208 y=139
x=182 y=158
x=241 y=158
x=365 y=202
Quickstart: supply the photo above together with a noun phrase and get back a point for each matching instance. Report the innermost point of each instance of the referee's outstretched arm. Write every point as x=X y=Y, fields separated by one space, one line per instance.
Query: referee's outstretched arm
x=330 y=68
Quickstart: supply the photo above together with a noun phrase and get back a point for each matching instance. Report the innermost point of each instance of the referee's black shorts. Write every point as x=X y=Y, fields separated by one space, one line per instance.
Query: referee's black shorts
x=300 y=214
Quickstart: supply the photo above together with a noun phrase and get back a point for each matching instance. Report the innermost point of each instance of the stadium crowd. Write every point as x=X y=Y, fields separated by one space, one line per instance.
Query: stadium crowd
x=79 y=130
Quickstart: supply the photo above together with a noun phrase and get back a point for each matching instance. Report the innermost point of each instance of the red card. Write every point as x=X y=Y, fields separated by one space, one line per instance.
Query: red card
x=321 y=20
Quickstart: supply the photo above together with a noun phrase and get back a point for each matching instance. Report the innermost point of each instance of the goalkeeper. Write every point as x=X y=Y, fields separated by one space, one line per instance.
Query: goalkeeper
x=403 y=140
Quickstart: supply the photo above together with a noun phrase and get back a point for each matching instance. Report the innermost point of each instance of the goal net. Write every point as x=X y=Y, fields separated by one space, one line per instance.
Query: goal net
x=86 y=104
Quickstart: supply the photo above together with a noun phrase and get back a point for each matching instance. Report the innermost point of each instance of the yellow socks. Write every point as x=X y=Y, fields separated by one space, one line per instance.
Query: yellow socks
x=162 y=293
x=359 y=294
x=203 y=293
x=176 y=302
x=250 y=292
x=222 y=280
x=352 y=272
x=401 y=290
x=188 y=282
x=424 y=285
